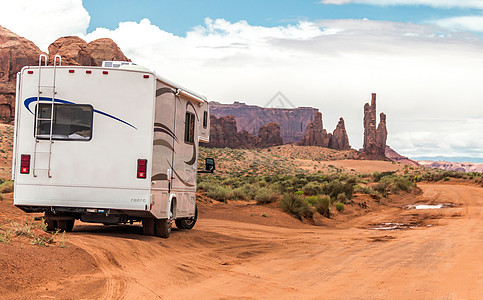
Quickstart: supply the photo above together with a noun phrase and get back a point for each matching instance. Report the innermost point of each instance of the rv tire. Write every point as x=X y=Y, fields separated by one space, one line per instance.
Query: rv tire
x=51 y=224
x=148 y=226
x=163 y=227
x=65 y=225
x=70 y=225
x=187 y=223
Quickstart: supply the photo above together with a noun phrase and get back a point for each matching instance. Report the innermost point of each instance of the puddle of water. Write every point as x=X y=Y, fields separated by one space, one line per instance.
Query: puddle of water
x=426 y=206
x=430 y=206
x=393 y=226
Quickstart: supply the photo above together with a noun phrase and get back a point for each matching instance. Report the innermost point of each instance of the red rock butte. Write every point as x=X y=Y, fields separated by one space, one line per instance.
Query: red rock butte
x=17 y=52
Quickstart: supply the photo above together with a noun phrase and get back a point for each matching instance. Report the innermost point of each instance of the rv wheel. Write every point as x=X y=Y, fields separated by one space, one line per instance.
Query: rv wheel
x=148 y=226
x=51 y=224
x=163 y=227
x=65 y=225
x=187 y=223
x=70 y=225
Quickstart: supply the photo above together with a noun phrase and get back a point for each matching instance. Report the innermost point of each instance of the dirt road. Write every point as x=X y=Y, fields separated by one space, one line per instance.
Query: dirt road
x=440 y=258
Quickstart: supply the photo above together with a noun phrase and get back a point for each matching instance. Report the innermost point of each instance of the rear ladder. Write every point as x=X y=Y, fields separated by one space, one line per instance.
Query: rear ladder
x=50 y=120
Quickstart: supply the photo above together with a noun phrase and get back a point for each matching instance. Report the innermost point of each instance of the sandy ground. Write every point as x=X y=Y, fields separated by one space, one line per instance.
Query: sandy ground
x=440 y=257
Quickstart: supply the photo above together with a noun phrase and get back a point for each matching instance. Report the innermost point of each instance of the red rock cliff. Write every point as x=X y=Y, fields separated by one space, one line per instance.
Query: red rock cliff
x=77 y=52
x=224 y=133
x=15 y=53
x=251 y=118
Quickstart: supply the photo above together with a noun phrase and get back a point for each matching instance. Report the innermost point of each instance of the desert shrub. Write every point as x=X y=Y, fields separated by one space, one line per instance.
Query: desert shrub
x=335 y=187
x=296 y=206
x=6 y=187
x=312 y=188
x=265 y=195
x=446 y=179
x=341 y=198
x=323 y=206
x=219 y=193
x=381 y=188
x=340 y=207
x=1 y=197
x=231 y=181
x=312 y=200
x=239 y=194
x=299 y=193
x=363 y=189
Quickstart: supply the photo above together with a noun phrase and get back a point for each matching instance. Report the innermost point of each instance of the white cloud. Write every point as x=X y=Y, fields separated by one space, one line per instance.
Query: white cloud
x=463 y=23
x=420 y=72
x=44 y=21
x=434 y=3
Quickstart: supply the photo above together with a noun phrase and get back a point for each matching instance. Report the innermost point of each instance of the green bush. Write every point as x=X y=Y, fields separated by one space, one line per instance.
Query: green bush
x=342 y=198
x=446 y=179
x=6 y=187
x=296 y=206
x=340 y=207
x=312 y=188
x=323 y=206
x=220 y=193
x=265 y=195
x=313 y=200
x=335 y=187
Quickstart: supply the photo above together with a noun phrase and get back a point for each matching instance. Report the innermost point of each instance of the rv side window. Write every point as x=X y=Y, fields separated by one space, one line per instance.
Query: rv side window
x=189 y=128
x=205 y=119
x=70 y=122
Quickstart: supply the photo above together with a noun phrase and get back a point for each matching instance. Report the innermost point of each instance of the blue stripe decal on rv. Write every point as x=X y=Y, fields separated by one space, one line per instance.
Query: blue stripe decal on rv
x=28 y=101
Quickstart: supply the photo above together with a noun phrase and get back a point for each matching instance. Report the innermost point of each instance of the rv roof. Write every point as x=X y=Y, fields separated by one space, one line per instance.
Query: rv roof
x=185 y=91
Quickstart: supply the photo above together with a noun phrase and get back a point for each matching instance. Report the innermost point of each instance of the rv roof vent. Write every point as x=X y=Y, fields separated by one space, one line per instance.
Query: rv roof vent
x=116 y=64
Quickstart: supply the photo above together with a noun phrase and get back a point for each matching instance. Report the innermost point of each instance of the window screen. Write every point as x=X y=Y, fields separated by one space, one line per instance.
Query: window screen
x=205 y=119
x=189 y=128
x=70 y=122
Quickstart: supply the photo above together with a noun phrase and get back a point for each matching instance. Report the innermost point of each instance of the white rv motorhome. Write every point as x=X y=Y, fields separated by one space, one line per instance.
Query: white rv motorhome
x=107 y=145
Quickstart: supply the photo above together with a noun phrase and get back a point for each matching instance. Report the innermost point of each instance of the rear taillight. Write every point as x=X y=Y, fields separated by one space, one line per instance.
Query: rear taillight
x=25 y=164
x=142 y=166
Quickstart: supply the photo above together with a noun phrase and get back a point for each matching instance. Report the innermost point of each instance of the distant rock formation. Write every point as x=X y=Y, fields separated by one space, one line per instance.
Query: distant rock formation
x=269 y=135
x=339 y=139
x=293 y=121
x=224 y=133
x=396 y=157
x=453 y=166
x=77 y=52
x=17 y=52
x=316 y=135
x=374 y=138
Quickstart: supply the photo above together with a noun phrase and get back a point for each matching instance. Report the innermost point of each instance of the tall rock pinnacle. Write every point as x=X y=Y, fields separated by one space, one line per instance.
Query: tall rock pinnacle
x=374 y=137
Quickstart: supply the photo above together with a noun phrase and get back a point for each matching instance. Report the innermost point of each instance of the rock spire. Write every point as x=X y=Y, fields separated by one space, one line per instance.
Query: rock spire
x=374 y=137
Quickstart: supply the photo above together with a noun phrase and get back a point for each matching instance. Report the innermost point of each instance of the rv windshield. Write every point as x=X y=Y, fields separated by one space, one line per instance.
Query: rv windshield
x=70 y=122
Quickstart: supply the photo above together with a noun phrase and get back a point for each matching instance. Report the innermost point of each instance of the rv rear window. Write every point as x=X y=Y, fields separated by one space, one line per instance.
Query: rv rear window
x=70 y=122
x=189 y=128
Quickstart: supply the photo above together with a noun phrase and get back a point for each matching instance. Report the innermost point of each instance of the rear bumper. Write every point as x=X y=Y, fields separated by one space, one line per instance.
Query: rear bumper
x=30 y=196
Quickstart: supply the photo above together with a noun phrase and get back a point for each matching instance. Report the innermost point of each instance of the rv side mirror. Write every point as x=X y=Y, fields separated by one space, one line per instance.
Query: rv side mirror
x=210 y=165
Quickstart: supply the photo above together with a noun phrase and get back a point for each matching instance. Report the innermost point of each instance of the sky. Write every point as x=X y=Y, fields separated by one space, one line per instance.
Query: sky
x=423 y=58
